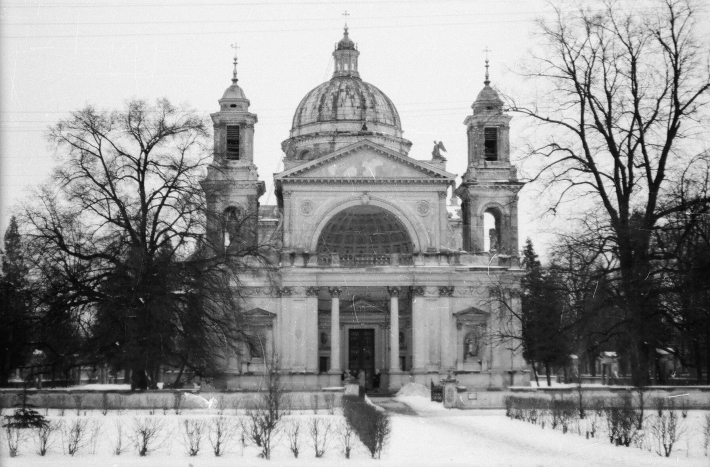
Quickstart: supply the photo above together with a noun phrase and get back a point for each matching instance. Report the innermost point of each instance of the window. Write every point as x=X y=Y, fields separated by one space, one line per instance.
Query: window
x=490 y=136
x=233 y=142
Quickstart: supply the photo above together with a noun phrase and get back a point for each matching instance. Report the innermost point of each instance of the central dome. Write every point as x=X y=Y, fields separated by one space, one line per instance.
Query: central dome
x=346 y=99
x=342 y=111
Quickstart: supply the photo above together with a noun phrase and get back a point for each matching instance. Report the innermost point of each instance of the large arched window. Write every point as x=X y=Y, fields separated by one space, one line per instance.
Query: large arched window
x=231 y=227
x=365 y=235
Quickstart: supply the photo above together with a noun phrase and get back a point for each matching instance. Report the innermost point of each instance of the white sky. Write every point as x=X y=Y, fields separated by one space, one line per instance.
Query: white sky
x=427 y=56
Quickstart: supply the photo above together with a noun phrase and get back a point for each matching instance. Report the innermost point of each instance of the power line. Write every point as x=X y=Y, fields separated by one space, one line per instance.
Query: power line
x=231 y=32
x=269 y=20
x=232 y=4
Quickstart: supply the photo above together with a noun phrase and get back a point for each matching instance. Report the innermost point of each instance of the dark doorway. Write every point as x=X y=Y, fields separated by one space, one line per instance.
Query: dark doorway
x=361 y=345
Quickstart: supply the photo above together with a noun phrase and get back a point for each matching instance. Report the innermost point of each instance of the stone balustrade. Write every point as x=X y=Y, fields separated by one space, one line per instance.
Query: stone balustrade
x=429 y=259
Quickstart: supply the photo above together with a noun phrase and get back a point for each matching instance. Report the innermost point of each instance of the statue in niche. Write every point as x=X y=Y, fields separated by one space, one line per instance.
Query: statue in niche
x=472 y=345
x=493 y=235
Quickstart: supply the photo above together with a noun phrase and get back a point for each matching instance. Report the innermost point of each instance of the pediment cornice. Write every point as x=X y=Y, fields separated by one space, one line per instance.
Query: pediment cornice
x=299 y=174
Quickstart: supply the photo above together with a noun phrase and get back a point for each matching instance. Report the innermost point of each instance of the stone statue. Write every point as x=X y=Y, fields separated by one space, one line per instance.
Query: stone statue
x=493 y=235
x=438 y=147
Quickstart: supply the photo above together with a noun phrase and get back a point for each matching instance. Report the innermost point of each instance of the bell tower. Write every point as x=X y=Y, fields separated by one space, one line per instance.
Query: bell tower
x=232 y=187
x=490 y=186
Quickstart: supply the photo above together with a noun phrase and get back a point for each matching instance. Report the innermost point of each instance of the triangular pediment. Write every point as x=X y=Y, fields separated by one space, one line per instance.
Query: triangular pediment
x=365 y=161
x=363 y=306
x=259 y=314
x=471 y=316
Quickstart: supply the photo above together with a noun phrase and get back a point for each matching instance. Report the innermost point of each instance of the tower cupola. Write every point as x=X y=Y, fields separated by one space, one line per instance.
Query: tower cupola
x=345 y=57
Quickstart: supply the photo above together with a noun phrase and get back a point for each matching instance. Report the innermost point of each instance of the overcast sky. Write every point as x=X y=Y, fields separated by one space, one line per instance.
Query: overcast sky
x=427 y=56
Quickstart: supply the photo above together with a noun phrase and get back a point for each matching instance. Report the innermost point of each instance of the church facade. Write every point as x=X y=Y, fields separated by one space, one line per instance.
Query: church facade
x=370 y=268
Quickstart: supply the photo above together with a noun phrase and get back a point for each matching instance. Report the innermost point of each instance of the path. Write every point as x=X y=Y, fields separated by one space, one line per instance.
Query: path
x=487 y=438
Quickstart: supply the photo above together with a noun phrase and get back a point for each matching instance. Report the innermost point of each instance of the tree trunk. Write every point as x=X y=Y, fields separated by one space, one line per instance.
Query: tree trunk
x=535 y=373
x=547 y=373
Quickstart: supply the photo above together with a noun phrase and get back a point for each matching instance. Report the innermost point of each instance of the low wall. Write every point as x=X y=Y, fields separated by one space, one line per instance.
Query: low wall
x=693 y=397
x=165 y=400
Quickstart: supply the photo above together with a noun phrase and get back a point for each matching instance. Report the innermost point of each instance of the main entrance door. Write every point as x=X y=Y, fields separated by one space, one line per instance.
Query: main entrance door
x=361 y=345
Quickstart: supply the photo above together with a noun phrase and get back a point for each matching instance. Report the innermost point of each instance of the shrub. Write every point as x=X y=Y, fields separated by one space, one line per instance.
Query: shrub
x=119 y=446
x=147 y=435
x=622 y=421
x=345 y=431
x=74 y=435
x=371 y=425
x=319 y=429
x=14 y=436
x=222 y=431
x=666 y=430
x=178 y=402
x=193 y=433
x=293 y=434
x=105 y=405
x=44 y=436
x=78 y=400
x=330 y=403
x=271 y=406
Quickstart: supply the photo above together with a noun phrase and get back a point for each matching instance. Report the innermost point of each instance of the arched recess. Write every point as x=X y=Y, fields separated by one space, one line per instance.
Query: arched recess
x=492 y=217
x=332 y=211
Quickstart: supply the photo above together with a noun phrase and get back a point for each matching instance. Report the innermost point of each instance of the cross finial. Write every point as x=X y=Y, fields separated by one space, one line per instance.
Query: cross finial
x=345 y=15
x=487 y=81
x=234 y=73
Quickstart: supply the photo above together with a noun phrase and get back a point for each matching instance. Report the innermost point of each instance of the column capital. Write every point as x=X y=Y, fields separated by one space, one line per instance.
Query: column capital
x=335 y=291
x=285 y=291
x=418 y=290
x=394 y=291
x=312 y=291
x=446 y=291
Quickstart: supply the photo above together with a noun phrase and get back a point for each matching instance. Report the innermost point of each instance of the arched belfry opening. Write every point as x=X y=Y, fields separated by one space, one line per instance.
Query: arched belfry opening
x=492 y=230
x=365 y=236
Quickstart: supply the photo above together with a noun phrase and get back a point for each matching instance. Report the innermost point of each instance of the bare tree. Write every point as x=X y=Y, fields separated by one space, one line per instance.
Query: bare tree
x=624 y=89
x=118 y=245
x=265 y=419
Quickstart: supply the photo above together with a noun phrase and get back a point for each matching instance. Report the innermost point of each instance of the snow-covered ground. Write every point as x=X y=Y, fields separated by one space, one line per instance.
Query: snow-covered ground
x=434 y=436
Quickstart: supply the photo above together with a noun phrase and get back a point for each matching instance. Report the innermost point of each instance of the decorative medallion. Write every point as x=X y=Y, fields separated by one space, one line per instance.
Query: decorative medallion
x=423 y=207
x=306 y=207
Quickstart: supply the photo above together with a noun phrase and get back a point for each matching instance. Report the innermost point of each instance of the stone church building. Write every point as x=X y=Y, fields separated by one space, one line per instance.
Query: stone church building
x=372 y=269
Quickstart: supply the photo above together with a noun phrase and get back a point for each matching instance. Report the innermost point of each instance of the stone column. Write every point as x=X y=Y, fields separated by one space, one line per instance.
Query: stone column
x=335 y=330
x=446 y=329
x=394 y=330
x=419 y=331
